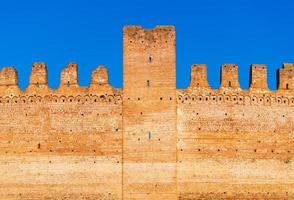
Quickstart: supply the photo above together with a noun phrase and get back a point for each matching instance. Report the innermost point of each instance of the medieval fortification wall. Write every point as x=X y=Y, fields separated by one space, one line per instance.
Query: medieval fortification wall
x=148 y=140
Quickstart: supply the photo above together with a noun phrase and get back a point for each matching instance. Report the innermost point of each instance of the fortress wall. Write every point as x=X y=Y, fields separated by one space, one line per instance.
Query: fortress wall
x=147 y=140
x=235 y=143
x=61 y=144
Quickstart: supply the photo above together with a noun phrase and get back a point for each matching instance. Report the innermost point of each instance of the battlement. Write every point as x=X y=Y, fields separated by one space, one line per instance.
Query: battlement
x=286 y=77
x=100 y=76
x=38 y=74
x=69 y=75
x=147 y=140
x=8 y=77
x=199 y=76
x=229 y=77
x=258 y=77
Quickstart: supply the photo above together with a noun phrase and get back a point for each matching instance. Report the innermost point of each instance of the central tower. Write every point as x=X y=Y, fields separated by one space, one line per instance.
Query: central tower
x=149 y=113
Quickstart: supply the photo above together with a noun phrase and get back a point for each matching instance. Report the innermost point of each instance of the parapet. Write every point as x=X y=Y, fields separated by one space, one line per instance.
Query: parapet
x=38 y=74
x=199 y=76
x=258 y=76
x=229 y=76
x=286 y=77
x=8 y=77
x=69 y=75
x=100 y=76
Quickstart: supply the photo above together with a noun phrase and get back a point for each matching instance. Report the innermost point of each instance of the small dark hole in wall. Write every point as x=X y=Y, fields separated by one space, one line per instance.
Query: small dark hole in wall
x=287 y=86
x=150 y=59
x=39 y=146
x=230 y=84
x=68 y=83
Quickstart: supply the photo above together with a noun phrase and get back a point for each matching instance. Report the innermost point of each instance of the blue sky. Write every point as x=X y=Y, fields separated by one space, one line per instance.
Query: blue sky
x=90 y=33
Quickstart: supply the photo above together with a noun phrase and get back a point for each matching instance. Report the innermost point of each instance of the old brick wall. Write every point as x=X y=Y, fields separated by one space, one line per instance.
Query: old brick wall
x=60 y=144
x=148 y=140
x=234 y=143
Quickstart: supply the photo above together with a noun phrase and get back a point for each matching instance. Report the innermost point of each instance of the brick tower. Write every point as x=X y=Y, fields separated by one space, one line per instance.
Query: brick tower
x=149 y=113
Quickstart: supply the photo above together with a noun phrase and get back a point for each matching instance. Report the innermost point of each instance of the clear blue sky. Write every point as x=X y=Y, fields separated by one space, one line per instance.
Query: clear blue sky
x=90 y=33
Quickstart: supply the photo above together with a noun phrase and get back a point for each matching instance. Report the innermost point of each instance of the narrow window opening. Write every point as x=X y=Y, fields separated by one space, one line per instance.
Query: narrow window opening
x=150 y=59
x=230 y=84
x=68 y=83
x=287 y=86
x=37 y=84
x=149 y=135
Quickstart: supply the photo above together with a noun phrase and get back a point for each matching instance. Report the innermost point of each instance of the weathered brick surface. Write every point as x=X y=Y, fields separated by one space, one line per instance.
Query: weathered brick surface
x=148 y=140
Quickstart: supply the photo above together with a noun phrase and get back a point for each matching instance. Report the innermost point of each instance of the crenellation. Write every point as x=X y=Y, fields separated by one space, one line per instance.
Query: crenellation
x=9 y=82
x=199 y=76
x=100 y=76
x=229 y=77
x=8 y=77
x=38 y=74
x=147 y=140
x=258 y=77
x=286 y=77
x=69 y=75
